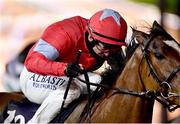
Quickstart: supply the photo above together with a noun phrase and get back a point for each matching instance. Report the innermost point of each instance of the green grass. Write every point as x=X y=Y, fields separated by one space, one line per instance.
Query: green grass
x=171 y=5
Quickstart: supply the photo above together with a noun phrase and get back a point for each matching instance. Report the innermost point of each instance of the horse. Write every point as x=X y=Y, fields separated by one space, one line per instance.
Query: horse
x=151 y=73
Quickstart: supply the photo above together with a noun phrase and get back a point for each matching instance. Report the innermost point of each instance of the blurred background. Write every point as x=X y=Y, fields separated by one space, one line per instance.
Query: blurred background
x=23 y=21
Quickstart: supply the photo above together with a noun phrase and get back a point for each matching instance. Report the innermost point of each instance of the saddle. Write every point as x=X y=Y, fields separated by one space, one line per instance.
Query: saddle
x=23 y=111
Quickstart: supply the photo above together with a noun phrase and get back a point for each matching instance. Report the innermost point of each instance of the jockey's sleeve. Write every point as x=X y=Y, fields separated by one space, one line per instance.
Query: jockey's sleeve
x=41 y=60
x=54 y=43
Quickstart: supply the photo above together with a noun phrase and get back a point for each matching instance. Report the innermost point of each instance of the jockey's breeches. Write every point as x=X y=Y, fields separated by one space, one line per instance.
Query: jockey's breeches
x=37 y=87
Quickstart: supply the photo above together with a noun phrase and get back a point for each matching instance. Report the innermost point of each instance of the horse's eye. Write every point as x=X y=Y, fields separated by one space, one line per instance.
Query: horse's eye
x=159 y=55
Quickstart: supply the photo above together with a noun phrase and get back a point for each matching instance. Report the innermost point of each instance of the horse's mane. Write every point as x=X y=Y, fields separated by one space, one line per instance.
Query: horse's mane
x=153 y=29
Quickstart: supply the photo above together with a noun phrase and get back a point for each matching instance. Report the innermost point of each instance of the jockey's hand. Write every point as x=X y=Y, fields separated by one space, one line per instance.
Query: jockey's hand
x=72 y=69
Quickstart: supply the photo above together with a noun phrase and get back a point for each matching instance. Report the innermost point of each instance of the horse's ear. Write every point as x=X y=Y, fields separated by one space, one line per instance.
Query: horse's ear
x=140 y=36
x=155 y=24
x=157 y=27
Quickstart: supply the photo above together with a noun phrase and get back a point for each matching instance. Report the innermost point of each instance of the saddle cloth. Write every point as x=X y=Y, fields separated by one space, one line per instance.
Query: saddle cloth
x=21 y=112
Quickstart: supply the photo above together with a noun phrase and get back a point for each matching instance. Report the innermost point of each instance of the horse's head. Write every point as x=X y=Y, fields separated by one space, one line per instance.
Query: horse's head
x=162 y=55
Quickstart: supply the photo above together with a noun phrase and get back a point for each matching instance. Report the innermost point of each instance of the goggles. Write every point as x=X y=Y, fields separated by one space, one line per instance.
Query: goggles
x=106 y=48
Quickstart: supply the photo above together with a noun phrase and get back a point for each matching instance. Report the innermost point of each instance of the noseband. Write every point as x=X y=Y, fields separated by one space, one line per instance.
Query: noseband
x=165 y=86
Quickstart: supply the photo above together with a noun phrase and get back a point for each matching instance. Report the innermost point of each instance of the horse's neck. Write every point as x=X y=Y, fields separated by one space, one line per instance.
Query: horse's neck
x=129 y=78
x=136 y=74
x=122 y=107
x=139 y=109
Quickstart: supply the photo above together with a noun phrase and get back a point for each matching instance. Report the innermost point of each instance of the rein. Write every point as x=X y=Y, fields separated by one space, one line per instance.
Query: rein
x=147 y=94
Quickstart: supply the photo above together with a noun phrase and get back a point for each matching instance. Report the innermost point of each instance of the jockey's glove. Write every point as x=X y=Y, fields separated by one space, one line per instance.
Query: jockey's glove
x=72 y=70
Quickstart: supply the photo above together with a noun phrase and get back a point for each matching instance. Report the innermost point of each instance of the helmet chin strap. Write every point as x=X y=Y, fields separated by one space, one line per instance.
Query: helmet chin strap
x=90 y=44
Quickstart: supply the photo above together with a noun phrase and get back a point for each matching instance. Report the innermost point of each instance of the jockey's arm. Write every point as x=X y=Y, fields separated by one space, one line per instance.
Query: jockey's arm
x=38 y=63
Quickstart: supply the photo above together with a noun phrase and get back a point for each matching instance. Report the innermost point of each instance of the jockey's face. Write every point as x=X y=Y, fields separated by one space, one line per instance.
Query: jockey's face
x=104 y=50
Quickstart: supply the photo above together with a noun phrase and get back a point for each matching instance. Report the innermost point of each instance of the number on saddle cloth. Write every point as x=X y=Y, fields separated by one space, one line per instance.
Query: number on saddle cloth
x=19 y=112
x=23 y=111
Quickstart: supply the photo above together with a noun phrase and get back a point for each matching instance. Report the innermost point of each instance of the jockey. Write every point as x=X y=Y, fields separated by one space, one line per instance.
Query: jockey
x=49 y=63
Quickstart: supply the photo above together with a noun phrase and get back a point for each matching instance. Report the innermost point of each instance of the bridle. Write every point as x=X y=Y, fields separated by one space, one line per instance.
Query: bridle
x=165 y=86
x=162 y=92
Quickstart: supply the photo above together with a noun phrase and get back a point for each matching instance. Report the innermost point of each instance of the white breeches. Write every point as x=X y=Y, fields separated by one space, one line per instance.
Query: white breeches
x=49 y=92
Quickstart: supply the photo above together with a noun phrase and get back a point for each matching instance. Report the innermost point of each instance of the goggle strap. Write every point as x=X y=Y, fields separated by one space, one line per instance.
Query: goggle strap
x=101 y=35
